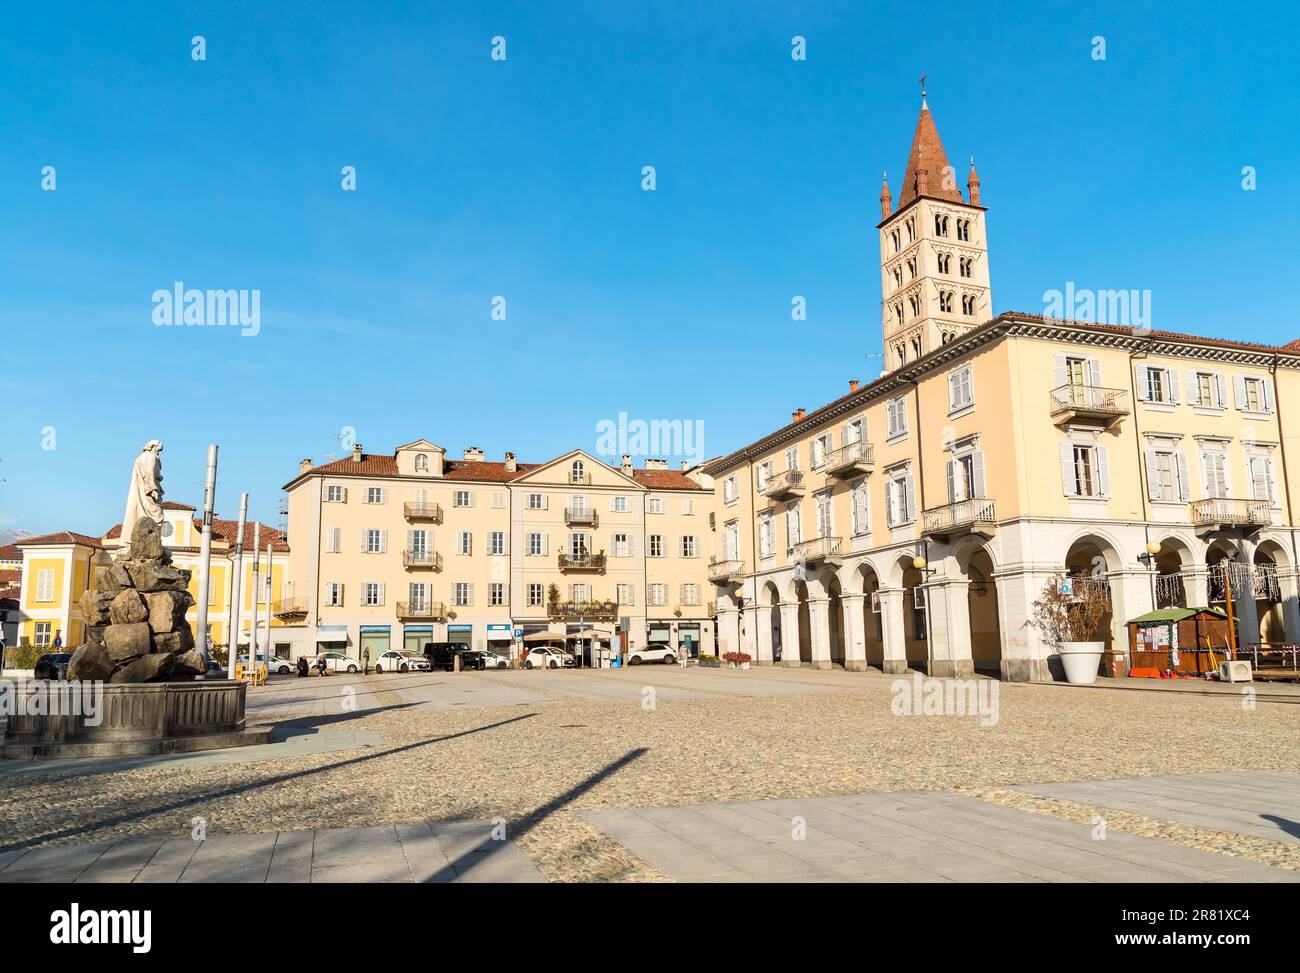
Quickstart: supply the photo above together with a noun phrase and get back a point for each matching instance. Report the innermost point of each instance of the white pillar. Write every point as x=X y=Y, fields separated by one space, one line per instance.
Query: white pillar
x=790 y=633
x=726 y=629
x=763 y=635
x=748 y=622
x=891 y=624
x=1025 y=652
x=855 y=637
x=1290 y=592
x=949 y=617
x=1131 y=596
x=819 y=631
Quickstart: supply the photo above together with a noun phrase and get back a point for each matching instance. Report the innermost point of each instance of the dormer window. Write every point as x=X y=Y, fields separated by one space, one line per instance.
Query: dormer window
x=421 y=463
x=578 y=472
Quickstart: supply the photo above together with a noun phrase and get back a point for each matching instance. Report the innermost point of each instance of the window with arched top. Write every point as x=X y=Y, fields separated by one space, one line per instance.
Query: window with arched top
x=940 y=225
x=945 y=301
x=911 y=230
x=963 y=229
x=421 y=463
x=898 y=312
x=945 y=263
x=578 y=471
x=898 y=240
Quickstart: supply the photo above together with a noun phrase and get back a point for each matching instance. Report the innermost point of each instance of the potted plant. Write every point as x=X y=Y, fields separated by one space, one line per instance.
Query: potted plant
x=1067 y=613
x=736 y=660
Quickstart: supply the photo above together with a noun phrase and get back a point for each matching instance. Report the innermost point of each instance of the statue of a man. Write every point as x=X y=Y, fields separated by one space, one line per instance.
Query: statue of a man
x=145 y=494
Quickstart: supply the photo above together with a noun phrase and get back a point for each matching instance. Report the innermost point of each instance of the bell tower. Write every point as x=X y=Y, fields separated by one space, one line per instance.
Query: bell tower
x=934 y=268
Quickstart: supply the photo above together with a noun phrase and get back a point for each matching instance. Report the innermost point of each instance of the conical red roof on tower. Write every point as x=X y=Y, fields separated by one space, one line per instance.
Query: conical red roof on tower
x=928 y=172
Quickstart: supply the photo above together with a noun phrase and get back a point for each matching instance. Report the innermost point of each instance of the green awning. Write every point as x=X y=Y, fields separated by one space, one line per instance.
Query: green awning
x=1174 y=615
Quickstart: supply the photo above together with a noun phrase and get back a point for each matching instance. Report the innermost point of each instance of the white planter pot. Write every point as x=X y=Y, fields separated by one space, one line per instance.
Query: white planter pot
x=1081 y=660
x=744 y=665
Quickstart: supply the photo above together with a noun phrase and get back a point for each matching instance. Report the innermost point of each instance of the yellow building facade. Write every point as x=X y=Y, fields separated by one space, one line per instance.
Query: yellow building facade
x=913 y=522
x=393 y=550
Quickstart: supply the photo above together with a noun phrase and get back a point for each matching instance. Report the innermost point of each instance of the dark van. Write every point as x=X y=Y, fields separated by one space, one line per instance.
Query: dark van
x=442 y=655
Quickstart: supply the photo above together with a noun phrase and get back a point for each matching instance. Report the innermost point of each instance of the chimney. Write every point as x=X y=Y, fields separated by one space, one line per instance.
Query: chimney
x=685 y=466
x=356 y=452
x=853 y=385
x=626 y=466
x=473 y=454
x=304 y=466
x=656 y=464
x=797 y=414
x=511 y=465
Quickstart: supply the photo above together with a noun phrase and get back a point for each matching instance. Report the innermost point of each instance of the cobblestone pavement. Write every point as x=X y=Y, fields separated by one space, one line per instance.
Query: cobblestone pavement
x=542 y=748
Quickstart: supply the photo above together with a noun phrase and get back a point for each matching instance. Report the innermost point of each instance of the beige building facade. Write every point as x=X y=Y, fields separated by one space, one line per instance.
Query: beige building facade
x=391 y=551
x=913 y=522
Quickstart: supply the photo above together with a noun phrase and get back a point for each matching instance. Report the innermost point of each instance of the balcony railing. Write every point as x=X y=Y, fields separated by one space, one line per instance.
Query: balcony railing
x=582 y=609
x=582 y=562
x=850 y=460
x=580 y=479
x=787 y=484
x=293 y=605
x=978 y=516
x=580 y=516
x=422 y=510
x=726 y=570
x=818 y=549
x=711 y=608
x=421 y=609
x=422 y=559
x=1088 y=403
x=1222 y=513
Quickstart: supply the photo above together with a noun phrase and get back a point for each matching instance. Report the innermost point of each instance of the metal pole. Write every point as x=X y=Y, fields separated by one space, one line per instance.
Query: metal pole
x=205 y=551
x=269 y=587
x=236 y=591
x=256 y=589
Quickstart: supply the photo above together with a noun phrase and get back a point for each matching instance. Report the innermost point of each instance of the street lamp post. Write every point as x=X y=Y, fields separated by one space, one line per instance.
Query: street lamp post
x=205 y=551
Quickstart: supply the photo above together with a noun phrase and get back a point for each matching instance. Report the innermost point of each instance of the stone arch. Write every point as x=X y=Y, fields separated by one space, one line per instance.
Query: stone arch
x=1271 y=568
x=769 y=622
x=1177 y=583
x=1090 y=558
x=831 y=588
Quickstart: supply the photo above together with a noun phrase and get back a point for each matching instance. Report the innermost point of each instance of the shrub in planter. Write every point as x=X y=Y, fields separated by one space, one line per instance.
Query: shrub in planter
x=1070 y=619
x=737 y=659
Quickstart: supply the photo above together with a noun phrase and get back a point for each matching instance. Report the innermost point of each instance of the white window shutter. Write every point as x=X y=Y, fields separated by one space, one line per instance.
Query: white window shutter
x=1067 y=470
x=977 y=467
x=381 y=593
x=1239 y=386
x=1268 y=396
x=1059 y=375
x=1140 y=383
x=1193 y=386
x=1172 y=375
x=1221 y=391
x=546 y=544
x=383 y=541
x=952 y=482
x=1184 y=480
x=1103 y=472
x=1153 y=475
x=1094 y=372
x=910 y=511
x=1272 y=481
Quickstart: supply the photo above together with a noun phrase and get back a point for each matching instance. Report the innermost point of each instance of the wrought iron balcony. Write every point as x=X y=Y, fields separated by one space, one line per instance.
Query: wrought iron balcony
x=293 y=605
x=580 y=479
x=582 y=609
x=978 y=516
x=422 y=510
x=725 y=571
x=580 y=517
x=582 y=562
x=421 y=609
x=783 y=485
x=711 y=608
x=818 y=549
x=422 y=559
x=850 y=460
x=1222 y=513
x=1088 y=403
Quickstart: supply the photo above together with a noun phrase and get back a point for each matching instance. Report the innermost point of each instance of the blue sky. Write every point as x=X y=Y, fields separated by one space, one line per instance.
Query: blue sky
x=522 y=178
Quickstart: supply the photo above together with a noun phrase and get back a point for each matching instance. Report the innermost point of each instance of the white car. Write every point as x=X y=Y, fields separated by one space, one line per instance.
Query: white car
x=545 y=657
x=281 y=666
x=394 y=661
x=654 y=652
x=336 y=661
x=492 y=660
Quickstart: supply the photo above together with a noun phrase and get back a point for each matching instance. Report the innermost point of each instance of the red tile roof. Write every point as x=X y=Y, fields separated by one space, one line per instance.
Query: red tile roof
x=384 y=465
x=10 y=576
x=10 y=594
x=10 y=552
x=227 y=530
x=927 y=164
x=173 y=505
x=60 y=537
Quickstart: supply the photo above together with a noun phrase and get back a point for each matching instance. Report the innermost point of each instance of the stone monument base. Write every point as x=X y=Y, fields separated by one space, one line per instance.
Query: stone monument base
x=138 y=719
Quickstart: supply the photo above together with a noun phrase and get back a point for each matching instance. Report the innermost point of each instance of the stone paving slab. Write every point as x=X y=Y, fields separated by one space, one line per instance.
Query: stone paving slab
x=452 y=851
x=1263 y=805
x=928 y=836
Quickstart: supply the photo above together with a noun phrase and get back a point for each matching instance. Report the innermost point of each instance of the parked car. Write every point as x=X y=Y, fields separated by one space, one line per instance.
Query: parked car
x=52 y=665
x=281 y=667
x=216 y=670
x=492 y=660
x=654 y=652
x=337 y=662
x=442 y=655
x=545 y=657
x=394 y=661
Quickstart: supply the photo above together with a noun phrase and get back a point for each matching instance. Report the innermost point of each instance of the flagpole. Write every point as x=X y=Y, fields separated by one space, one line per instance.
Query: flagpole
x=205 y=552
x=236 y=592
x=255 y=588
